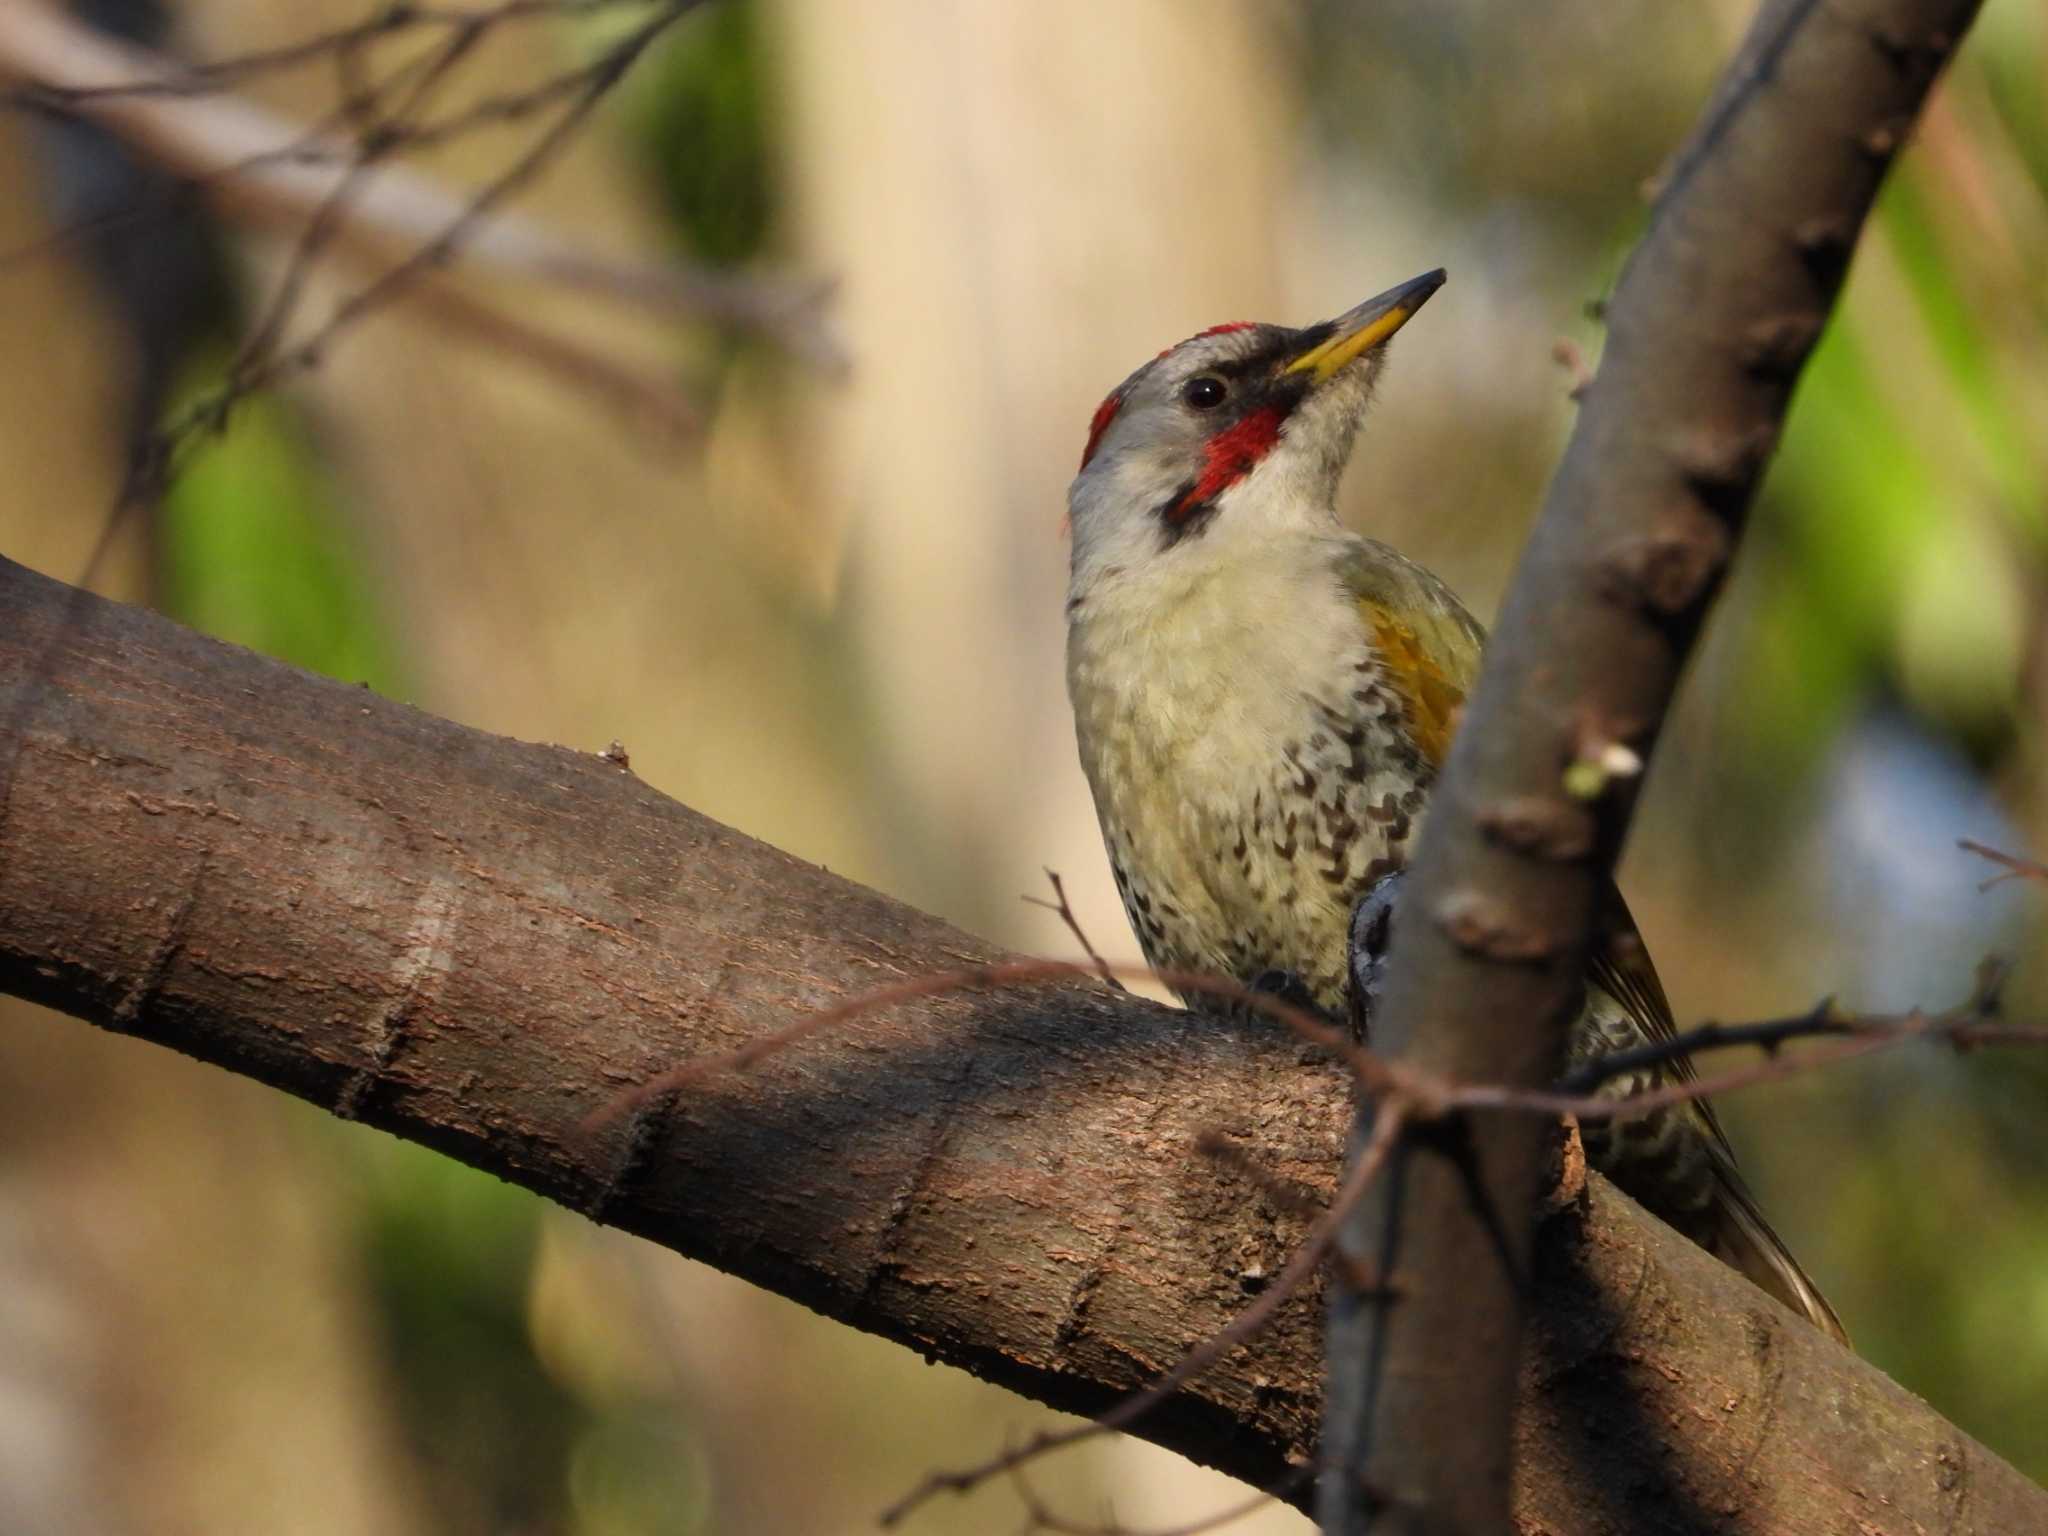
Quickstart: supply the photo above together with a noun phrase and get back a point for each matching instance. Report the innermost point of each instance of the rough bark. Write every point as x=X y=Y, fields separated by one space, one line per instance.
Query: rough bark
x=1708 y=328
x=474 y=943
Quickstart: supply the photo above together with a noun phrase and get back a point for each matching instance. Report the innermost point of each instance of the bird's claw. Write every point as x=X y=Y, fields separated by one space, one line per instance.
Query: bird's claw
x=1285 y=987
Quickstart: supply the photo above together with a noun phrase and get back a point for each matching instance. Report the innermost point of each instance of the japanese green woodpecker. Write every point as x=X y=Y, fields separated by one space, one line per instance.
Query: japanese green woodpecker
x=1263 y=701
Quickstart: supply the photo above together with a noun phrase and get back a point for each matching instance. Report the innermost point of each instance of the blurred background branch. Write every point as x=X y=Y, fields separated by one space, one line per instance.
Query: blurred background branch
x=262 y=165
x=338 y=184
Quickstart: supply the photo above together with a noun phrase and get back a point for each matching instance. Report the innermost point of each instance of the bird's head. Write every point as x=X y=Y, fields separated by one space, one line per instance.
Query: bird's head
x=1244 y=427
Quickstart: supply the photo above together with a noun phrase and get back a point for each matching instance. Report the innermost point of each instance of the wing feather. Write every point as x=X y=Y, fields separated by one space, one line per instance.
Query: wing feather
x=1428 y=644
x=1429 y=651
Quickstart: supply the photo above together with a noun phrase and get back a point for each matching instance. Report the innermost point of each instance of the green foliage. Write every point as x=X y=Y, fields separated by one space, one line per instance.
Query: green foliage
x=505 y=1436
x=639 y=1473
x=252 y=547
x=1902 y=489
x=699 y=120
x=448 y=1254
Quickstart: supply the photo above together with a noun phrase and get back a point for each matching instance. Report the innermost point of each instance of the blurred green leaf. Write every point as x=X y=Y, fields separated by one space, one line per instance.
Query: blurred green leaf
x=639 y=1474
x=448 y=1253
x=253 y=548
x=699 y=115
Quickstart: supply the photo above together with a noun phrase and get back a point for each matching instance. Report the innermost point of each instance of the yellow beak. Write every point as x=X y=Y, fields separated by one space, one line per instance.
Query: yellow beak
x=1361 y=329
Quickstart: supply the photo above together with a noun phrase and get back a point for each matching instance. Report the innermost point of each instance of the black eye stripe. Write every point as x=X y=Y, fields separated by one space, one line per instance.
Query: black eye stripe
x=1238 y=367
x=1300 y=341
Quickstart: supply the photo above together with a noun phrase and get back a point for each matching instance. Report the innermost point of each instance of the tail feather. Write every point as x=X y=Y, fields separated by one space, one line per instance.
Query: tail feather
x=1741 y=1238
x=1660 y=1158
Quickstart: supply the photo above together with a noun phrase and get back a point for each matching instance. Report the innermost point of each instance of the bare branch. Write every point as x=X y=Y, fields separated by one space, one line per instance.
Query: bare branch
x=1966 y=1024
x=260 y=362
x=1708 y=329
x=177 y=77
x=645 y=400
x=1061 y=908
x=476 y=944
x=2016 y=868
x=260 y=166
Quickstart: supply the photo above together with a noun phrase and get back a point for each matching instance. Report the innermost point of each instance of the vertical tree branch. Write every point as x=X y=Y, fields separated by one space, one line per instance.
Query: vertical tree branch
x=1709 y=326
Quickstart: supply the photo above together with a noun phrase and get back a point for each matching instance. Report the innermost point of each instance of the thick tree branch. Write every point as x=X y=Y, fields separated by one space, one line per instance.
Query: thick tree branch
x=475 y=944
x=1708 y=329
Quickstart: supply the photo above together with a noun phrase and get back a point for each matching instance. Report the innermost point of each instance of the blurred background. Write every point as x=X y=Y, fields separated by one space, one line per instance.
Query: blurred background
x=824 y=606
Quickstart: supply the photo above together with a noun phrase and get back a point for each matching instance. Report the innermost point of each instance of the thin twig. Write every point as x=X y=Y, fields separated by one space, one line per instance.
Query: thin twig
x=211 y=412
x=1373 y=1073
x=378 y=138
x=2016 y=867
x=183 y=78
x=316 y=144
x=264 y=167
x=1060 y=906
x=1967 y=1025
x=1824 y=1019
x=641 y=398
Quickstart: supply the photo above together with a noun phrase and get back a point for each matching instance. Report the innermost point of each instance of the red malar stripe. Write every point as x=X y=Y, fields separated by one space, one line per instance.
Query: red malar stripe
x=1231 y=455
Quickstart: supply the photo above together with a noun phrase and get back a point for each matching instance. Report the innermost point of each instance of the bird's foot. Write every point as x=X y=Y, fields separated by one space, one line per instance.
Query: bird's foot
x=1285 y=987
x=1289 y=988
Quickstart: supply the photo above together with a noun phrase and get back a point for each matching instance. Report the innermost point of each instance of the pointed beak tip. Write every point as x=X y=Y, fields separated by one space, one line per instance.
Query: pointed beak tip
x=1368 y=325
x=1403 y=299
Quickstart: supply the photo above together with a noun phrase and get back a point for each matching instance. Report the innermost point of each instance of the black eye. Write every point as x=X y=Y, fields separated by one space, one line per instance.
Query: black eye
x=1205 y=392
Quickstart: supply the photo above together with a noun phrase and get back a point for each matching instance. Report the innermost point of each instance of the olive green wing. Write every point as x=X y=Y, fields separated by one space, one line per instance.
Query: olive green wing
x=1429 y=645
x=1429 y=648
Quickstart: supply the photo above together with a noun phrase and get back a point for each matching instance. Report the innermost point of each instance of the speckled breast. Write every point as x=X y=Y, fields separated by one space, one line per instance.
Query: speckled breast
x=1241 y=853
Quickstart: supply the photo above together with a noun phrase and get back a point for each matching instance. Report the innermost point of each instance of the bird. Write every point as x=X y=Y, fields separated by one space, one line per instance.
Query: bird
x=1263 y=699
